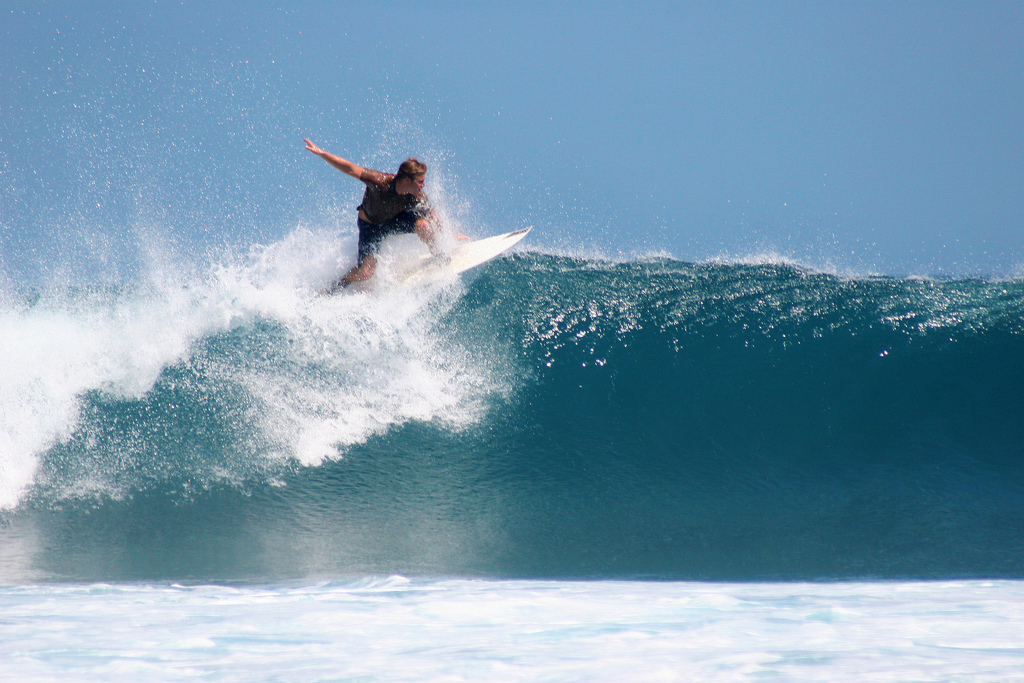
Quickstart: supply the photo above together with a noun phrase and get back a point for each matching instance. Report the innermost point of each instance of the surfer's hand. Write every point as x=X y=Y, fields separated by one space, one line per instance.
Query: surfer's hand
x=462 y=238
x=313 y=148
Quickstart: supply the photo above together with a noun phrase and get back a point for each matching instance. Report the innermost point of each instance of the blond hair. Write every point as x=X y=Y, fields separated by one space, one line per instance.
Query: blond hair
x=411 y=167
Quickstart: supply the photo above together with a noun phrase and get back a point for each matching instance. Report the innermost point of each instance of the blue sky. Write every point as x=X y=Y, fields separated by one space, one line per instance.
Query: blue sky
x=882 y=137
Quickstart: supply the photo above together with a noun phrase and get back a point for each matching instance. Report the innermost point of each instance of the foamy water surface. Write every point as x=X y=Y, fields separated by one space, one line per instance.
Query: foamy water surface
x=400 y=630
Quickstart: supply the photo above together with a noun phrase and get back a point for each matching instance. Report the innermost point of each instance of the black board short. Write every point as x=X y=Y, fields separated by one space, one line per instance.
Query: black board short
x=372 y=234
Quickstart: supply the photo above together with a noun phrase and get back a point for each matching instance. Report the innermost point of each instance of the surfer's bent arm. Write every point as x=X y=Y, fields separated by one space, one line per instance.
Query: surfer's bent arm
x=343 y=165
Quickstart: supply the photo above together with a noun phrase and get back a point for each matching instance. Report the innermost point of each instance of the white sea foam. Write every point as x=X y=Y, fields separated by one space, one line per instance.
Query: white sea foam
x=399 y=630
x=355 y=364
x=69 y=344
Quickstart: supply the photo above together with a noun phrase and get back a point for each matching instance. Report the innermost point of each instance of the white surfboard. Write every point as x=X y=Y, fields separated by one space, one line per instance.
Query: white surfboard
x=425 y=269
x=464 y=256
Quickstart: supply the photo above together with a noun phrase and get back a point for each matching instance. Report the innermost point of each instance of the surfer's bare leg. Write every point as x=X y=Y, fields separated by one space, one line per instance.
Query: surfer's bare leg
x=364 y=271
x=425 y=231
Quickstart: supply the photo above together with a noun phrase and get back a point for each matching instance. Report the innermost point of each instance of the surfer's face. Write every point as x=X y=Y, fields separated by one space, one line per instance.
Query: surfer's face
x=412 y=184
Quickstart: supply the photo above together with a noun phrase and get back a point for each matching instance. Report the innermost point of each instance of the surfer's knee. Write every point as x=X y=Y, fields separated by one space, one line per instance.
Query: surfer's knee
x=367 y=268
x=424 y=229
x=363 y=271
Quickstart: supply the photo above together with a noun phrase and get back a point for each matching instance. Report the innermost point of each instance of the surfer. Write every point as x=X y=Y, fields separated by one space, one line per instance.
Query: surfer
x=393 y=204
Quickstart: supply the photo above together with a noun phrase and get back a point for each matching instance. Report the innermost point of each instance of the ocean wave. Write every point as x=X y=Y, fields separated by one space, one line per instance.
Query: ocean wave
x=543 y=416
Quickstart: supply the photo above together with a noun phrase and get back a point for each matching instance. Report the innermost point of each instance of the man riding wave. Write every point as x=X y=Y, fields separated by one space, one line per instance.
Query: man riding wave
x=392 y=204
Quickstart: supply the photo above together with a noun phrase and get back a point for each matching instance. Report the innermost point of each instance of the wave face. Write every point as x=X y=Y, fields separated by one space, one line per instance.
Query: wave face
x=546 y=417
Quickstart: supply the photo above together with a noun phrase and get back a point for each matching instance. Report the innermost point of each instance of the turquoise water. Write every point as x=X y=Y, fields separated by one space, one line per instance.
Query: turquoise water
x=546 y=418
x=554 y=469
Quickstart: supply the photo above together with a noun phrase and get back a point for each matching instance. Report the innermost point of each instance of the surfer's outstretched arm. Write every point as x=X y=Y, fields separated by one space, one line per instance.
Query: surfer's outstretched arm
x=343 y=165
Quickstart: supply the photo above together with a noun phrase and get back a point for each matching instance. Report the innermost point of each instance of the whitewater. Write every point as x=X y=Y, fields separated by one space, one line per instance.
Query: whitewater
x=554 y=468
x=395 y=629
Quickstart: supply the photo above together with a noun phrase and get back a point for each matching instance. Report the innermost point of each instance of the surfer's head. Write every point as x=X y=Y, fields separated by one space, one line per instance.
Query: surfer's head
x=411 y=177
x=411 y=167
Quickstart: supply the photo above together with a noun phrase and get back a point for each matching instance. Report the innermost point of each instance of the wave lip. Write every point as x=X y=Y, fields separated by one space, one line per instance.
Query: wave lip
x=228 y=376
x=67 y=344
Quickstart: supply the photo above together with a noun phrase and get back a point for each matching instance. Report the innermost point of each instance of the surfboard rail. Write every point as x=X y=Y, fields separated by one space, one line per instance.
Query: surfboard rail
x=464 y=256
x=431 y=268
